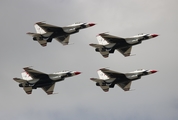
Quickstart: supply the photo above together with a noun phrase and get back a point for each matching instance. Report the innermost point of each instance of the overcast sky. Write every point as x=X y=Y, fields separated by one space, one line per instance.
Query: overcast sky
x=153 y=97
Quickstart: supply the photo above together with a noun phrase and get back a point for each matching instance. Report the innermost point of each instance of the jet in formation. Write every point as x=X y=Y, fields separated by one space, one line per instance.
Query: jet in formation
x=109 y=43
x=108 y=78
x=46 y=32
x=33 y=79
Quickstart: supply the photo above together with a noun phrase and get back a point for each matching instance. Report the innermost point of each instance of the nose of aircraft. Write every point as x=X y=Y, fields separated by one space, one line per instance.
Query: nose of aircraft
x=76 y=73
x=154 y=35
x=153 y=71
x=91 y=24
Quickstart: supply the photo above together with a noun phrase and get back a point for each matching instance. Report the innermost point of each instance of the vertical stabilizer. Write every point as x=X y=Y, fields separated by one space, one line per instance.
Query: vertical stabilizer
x=101 y=40
x=102 y=75
x=38 y=29
x=26 y=76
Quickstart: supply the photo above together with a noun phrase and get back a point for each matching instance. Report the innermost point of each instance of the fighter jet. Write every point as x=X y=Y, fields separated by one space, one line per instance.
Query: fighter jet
x=108 y=78
x=109 y=43
x=33 y=79
x=46 y=32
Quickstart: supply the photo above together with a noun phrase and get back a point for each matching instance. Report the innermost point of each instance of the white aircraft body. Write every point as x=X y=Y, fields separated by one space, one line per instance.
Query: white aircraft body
x=46 y=32
x=108 y=78
x=33 y=79
x=109 y=43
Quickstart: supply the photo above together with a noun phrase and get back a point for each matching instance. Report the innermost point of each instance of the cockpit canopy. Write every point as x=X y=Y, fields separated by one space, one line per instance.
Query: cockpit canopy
x=138 y=70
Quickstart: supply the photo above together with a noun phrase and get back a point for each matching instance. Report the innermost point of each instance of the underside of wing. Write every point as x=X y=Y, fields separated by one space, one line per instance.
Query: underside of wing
x=28 y=90
x=49 y=89
x=125 y=51
x=34 y=73
x=125 y=86
x=63 y=39
x=113 y=74
x=48 y=27
x=111 y=38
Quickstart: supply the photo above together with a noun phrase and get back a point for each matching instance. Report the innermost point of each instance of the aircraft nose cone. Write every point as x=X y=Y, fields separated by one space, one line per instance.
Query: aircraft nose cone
x=154 y=35
x=76 y=73
x=91 y=24
x=153 y=71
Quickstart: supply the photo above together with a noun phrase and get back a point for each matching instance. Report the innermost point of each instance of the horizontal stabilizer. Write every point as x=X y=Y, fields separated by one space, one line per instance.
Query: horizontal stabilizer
x=19 y=80
x=33 y=34
x=97 y=80
x=96 y=45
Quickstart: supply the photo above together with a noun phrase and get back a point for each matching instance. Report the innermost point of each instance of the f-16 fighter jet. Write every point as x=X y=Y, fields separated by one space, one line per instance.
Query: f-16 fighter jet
x=109 y=43
x=108 y=78
x=33 y=79
x=46 y=32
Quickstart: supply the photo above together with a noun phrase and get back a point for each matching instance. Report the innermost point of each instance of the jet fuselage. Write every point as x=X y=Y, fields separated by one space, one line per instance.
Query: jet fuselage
x=46 y=80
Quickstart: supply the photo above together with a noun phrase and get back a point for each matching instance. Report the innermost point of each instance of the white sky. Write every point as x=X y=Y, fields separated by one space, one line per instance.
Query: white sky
x=154 y=97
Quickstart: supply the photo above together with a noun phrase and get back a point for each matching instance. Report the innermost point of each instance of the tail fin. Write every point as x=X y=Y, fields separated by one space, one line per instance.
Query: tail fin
x=101 y=40
x=26 y=76
x=102 y=75
x=39 y=29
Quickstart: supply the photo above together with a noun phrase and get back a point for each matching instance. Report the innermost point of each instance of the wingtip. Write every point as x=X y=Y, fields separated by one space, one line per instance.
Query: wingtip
x=41 y=22
x=91 y=44
x=28 y=33
x=29 y=92
x=103 y=68
x=29 y=67
x=102 y=33
x=92 y=78
x=105 y=90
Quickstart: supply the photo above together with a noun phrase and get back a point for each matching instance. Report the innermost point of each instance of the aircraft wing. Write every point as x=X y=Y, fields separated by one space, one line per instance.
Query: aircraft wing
x=28 y=90
x=105 y=54
x=105 y=88
x=63 y=39
x=112 y=39
x=125 y=86
x=34 y=73
x=113 y=74
x=49 y=28
x=125 y=51
x=49 y=89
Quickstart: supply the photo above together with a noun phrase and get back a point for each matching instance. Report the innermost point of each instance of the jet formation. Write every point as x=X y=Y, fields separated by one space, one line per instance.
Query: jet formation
x=109 y=43
x=33 y=79
x=46 y=32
